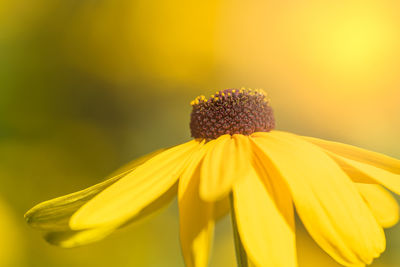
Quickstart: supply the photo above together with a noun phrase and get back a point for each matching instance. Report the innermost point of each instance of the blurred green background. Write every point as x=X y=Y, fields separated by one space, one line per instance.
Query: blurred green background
x=87 y=85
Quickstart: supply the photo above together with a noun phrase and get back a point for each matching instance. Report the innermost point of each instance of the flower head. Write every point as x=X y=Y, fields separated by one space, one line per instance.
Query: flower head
x=231 y=111
x=338 y=190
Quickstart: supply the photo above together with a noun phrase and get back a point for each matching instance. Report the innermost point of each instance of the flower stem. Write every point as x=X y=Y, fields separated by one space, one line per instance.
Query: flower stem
x=241 y=256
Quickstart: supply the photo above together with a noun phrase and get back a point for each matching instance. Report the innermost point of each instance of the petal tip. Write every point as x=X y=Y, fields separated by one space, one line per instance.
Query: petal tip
x=28 y=217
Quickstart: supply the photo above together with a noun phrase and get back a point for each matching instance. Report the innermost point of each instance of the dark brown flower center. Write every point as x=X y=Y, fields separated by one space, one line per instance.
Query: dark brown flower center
x=231 y=111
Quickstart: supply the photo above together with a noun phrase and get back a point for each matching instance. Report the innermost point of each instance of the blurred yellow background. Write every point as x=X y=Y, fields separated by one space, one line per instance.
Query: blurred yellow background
x=87 y=85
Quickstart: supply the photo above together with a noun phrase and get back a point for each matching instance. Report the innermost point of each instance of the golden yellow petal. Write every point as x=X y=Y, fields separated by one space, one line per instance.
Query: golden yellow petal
x=54 y=214
x=196 y=216
x=225 y=161
x=70 y=238
x=326 y=200
x=382 y=204
x=362 y=155
x=276 y=187
x=354 y=174
x=266 y=236
x=127 y=197
x=366 y=173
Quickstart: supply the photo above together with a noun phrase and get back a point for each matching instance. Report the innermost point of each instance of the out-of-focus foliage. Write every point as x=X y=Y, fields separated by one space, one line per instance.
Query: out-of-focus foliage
x=87 y=85
x=175 y=39
x=11 y=241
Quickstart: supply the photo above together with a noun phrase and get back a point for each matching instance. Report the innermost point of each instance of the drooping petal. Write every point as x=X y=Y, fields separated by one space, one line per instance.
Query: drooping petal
x=54 y=214
x=365 y=173
x=358 y=154
x=125 y=198
x=326 y=200
x=354 y=174
x=363 y=166
x=196 y=216
x=276 y=187
x=155 y=207
x=381 y=203
x=266 y=236
x=224 y=162
x=71 y=238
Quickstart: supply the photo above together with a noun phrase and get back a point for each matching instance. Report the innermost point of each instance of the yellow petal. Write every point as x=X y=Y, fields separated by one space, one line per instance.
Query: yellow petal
x=125 y=198
x=224 y=162
x=154 y=207
x=195 y=216
x=362 y=172
x=362 y=155
x=326 y=200
x=70 y=238
x=354 y=174
x=266 y=236
x=276 y=187
x=54 y=214
x=381 y=203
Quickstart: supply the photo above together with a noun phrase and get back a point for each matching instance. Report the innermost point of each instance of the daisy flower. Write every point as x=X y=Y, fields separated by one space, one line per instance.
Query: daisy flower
x=237 y=163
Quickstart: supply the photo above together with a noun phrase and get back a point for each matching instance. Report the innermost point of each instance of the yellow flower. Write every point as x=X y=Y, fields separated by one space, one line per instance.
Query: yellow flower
x=337 y=190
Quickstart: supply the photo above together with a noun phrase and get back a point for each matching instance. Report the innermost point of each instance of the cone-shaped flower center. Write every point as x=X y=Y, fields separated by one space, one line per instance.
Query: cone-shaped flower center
x=231 y=111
